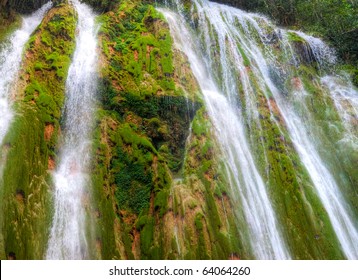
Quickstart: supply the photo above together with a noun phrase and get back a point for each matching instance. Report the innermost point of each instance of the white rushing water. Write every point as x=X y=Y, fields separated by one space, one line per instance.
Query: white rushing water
x=239 y=46
x=328 y=191
x=321 y=52
x=345 y=98
x=10 y=60
x=68 y=238
x=265 y=237
x=338 y=210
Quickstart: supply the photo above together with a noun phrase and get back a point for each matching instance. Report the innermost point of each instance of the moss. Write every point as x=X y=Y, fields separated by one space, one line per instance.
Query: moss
x=128 y=136
x=147 y=237
x=23 y=220
x=293 y=37
x=199 y=127
x=246 y=60
x=143 y=46
x=107 y=229
x=133 y=180
x=201 y=250
x=126 y=237
x=161 y=202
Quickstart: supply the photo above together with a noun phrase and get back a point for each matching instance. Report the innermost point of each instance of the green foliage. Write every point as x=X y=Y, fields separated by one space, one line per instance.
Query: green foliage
x=133 y=180
x=336 y=20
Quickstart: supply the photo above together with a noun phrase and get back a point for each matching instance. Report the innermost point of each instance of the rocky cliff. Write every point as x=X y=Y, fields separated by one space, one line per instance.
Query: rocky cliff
x=159 y=183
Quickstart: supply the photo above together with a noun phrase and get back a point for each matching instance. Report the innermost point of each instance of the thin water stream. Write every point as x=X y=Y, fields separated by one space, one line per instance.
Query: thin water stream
x=68 y=238
x=10 y=60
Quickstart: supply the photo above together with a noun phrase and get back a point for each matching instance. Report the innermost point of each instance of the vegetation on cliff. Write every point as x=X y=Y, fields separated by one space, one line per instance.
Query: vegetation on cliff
x=149 y=99
x=31 y=144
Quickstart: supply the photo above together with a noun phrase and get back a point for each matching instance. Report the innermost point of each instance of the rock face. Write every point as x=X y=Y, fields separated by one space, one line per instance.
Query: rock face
x=34 y=134
x=154 y=186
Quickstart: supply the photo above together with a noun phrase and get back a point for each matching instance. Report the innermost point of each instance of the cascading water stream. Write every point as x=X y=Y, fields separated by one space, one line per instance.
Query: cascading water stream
x=68 y=237
x=239 y=48
x=326 y=186
x=265 y=238
x=324 y=182
x=10 y=61
x=345 y=98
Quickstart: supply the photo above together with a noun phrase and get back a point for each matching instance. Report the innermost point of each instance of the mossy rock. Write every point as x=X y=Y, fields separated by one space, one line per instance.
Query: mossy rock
x=32 y=139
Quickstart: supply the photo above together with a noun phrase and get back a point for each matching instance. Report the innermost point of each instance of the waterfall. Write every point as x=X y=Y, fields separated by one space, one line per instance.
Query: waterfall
x=68 y=237
x=264 y=235
x=326 y=186
x=10 y=61
x=239 y=52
